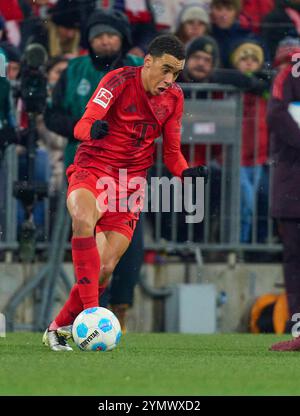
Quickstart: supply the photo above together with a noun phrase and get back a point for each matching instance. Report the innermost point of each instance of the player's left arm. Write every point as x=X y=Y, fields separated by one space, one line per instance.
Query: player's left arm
x=172 y=155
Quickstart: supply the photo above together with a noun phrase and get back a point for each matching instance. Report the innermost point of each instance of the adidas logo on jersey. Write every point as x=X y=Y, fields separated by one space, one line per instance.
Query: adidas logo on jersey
x=84 y=281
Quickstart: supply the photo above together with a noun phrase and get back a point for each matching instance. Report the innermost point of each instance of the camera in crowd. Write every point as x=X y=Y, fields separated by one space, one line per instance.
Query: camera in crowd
x=33 y=80
x=33 y=92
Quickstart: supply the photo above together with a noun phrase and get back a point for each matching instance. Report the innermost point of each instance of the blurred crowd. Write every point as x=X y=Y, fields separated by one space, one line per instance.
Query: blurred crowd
x=248 y=44
x=243 y=43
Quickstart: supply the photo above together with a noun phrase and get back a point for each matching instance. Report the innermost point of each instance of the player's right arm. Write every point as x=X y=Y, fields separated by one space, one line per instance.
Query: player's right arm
x=99 y=104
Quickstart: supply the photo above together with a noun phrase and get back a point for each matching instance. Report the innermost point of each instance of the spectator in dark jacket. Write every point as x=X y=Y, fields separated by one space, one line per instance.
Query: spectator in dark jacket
x=226 y=29
x=64 y=29
x=140 y=15
x=202 y=65
x=202 y=60
x=193 y=21
x=248 y=59
x=283 y=21
x=285 y=150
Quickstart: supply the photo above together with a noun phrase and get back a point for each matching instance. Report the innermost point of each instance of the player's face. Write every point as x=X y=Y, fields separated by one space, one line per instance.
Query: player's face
x=161 y=72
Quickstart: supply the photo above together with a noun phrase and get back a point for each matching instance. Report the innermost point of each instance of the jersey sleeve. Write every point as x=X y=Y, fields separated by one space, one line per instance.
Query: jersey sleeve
x=108 y=90
x=172 y=156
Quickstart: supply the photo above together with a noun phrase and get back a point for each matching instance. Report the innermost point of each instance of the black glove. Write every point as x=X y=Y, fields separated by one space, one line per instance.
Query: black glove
x=196 y=172
x=99 y=129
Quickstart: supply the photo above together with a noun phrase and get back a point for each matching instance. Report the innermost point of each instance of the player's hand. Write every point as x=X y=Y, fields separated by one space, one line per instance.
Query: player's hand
x=200 y=171
x=99 y=129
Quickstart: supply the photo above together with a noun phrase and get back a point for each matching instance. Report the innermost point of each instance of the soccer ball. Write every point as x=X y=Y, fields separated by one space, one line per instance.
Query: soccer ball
x=96 y=329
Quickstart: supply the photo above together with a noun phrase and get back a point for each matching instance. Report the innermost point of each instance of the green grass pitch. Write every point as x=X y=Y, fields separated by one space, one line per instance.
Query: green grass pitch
x=151 y=364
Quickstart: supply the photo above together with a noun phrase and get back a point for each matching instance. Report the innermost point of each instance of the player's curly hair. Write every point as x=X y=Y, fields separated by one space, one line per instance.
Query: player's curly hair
x=169 y=44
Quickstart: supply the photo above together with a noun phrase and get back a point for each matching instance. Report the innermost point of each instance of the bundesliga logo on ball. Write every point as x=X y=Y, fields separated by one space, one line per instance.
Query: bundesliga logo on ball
x=96 y=329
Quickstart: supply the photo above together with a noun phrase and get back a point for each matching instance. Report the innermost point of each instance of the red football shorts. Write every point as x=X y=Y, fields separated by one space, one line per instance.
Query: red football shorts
x=121 y=205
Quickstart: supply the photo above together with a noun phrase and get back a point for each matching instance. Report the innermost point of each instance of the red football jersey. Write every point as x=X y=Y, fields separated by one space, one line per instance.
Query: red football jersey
x=135 y=120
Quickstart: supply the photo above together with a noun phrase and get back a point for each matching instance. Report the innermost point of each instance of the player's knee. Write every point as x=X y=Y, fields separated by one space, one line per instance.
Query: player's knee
x=82 y=224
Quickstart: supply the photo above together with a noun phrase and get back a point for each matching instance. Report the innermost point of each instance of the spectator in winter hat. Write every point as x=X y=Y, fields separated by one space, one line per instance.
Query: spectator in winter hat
x=193 y=21
x=248 y=59
x=202 y=57
x=64 y=29
x=202 y=65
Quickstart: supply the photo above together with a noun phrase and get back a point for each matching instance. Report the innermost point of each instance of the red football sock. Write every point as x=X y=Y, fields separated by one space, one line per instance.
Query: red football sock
x=71 y=308
x=86 y=262
x=69 y=311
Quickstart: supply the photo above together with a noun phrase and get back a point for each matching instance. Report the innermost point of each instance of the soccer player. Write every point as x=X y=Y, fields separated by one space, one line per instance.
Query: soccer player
x=108 y=36
x=131 y=107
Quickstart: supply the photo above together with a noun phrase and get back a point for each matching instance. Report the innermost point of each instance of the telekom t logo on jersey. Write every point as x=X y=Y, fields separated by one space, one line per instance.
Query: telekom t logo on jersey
x=103 y=97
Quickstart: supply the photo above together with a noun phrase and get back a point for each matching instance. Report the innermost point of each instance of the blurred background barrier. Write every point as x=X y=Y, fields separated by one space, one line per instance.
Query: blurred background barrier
x=245 y=44
x=212 y=135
